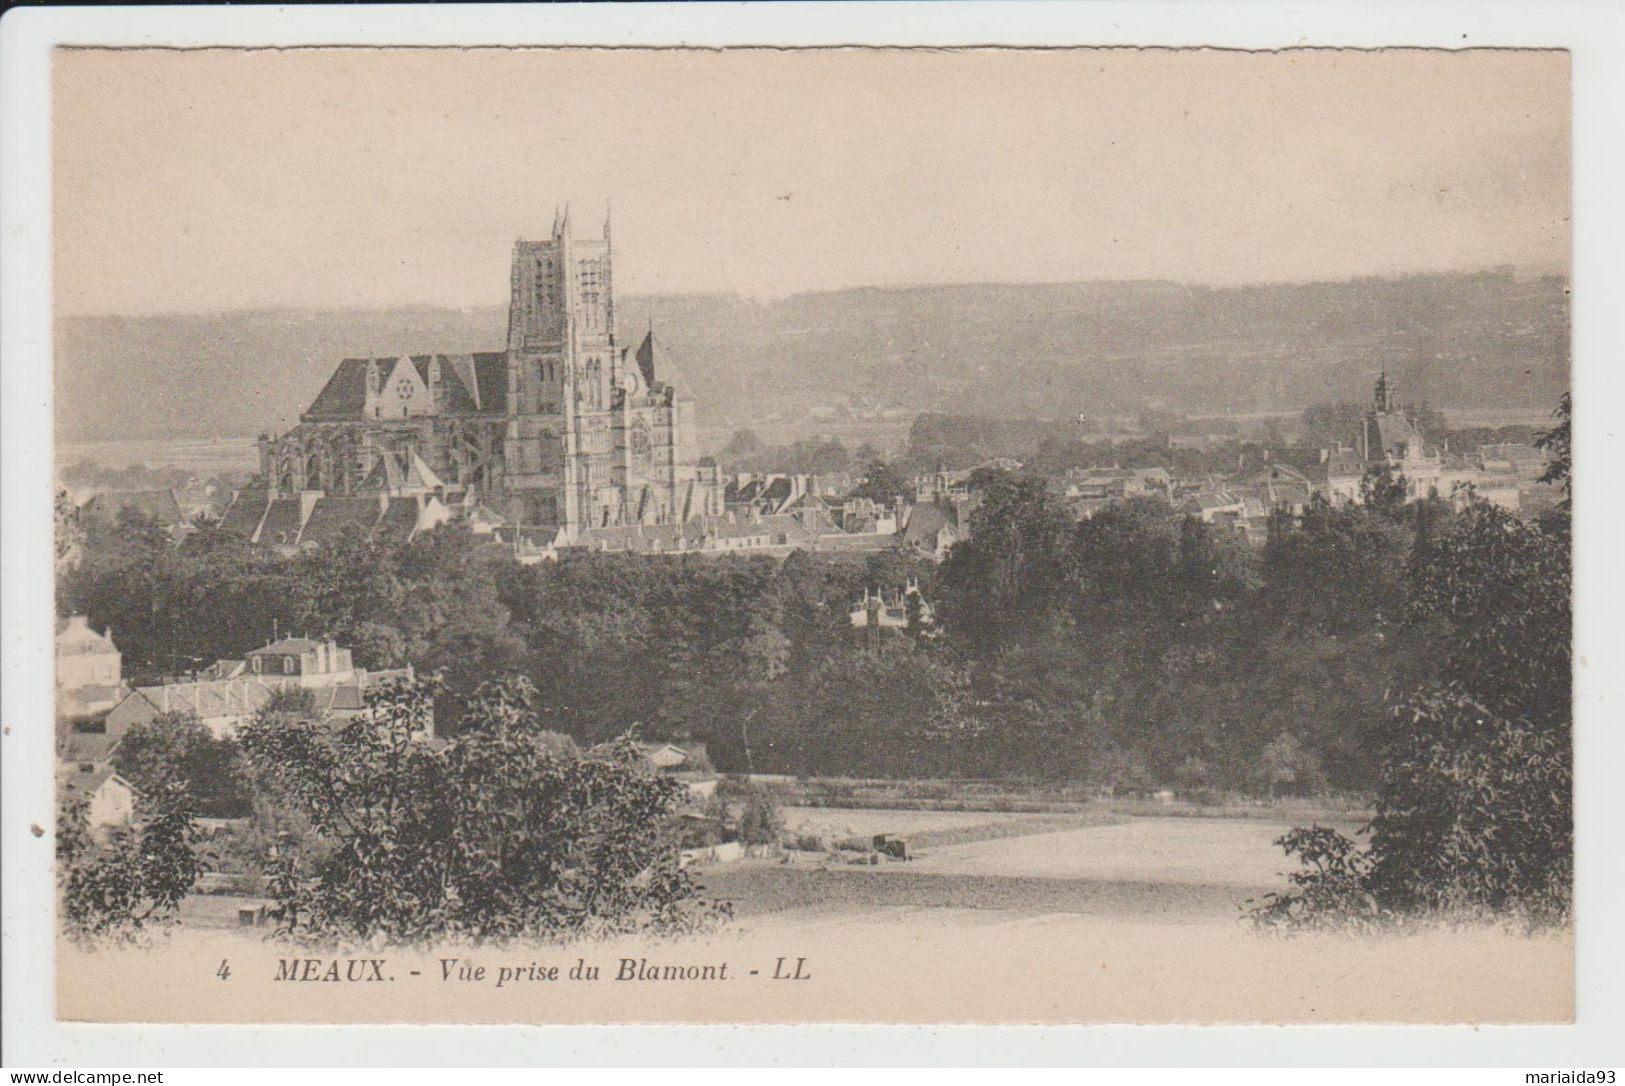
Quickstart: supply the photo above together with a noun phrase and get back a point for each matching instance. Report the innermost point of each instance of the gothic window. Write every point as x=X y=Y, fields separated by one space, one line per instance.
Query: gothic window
x=592 y=292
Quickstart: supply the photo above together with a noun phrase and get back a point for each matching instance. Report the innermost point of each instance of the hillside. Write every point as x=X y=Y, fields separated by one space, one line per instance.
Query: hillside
x=1467 y=340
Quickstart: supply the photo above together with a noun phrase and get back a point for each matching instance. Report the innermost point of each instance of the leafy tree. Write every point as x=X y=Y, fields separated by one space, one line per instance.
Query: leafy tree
x=742 y=445
x=1383 y=490
x=760 y=822
x=1475 y=806
x=1288 y=763
x=1329 y=890
x=883 y=483
x=1557 y=444
x=131 y=878
x=498 y=834
x=174 y=750
x=1340 y=570
x=69 y=535
x=1001 y=583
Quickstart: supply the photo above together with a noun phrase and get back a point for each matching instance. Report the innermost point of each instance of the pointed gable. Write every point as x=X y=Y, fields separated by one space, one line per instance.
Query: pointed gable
x=399 y=520
x=404 y=392
x=459 y=392
x=450 y=384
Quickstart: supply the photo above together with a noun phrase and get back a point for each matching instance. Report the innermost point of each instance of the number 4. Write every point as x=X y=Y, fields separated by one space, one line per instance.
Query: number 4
x=224 y=971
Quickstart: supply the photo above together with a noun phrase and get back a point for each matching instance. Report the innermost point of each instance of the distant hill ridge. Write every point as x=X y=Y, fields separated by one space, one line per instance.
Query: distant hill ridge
x=1043 y=350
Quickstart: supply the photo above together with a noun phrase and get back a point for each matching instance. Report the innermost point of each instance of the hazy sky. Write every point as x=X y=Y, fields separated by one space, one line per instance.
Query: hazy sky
x=219 y=179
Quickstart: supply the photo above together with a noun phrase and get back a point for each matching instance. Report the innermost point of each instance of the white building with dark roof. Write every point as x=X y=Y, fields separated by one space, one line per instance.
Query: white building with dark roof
x=230 y=692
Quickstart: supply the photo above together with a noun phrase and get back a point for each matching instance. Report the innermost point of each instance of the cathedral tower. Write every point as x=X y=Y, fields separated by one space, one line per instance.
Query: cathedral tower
x=562 y=369
x=563 y=427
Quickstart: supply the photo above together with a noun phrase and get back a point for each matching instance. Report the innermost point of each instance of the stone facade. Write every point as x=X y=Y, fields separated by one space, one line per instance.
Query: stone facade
x=88 y=669
x=565 y=427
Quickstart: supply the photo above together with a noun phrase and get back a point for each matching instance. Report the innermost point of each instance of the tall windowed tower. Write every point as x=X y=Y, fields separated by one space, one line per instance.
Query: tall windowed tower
x=562 y=369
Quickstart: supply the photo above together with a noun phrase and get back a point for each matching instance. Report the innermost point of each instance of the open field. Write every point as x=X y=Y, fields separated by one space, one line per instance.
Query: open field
x=1155 y=851
x=1096 y=863
x=866 y=822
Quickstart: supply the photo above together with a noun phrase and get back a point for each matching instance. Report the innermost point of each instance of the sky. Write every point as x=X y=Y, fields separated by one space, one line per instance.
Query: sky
x=335 y=178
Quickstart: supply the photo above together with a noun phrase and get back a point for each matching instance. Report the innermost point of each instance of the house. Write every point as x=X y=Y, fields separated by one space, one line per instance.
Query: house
x=110 y=798
x=1098 y=483
x=664 y=757
x=932 y=527
x=228 y=693
x=76 y=744
x=1388 y=435
x=890 y=610
x=1215 y=505
x=302 y=661
x=1518 y=459
x=764 y=494
x=88 y=669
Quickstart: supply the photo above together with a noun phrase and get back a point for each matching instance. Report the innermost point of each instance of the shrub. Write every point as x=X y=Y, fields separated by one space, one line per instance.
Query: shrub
x=134 y=877
x=495 y=834
x=1329 y=891
x=760 y=823
x=175 y=748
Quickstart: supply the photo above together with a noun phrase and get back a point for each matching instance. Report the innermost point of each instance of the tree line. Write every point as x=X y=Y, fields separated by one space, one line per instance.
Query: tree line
x=1135 y=649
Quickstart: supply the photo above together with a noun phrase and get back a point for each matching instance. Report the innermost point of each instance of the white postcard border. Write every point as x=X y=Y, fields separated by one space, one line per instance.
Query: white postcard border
x=1593 y=32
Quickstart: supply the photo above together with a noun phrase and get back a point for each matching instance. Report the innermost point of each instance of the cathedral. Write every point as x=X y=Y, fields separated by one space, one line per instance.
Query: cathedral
x=566 y=427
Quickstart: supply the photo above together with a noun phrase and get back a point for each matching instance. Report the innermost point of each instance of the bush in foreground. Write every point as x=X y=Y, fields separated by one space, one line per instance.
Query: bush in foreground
x=127 y=879
x=495 y=834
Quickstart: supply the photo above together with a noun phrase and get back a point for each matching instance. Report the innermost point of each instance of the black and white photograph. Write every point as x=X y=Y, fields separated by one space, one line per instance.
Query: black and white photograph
x=817 y=535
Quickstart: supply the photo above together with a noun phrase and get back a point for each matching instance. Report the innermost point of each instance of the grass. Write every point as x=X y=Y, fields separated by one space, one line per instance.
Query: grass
x=756 y=890
x=1297 y=811
x=1051 y=797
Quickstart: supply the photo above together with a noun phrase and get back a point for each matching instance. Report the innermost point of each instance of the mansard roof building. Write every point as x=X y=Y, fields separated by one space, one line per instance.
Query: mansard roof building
x=567 y=426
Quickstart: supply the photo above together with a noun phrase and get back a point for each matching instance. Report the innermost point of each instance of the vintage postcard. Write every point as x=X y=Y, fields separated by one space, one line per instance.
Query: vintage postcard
x=821 y=535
